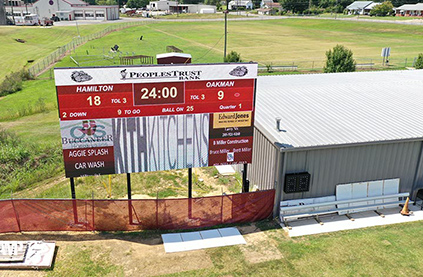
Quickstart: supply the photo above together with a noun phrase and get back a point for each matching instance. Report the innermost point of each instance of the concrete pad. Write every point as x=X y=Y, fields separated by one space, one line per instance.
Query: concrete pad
x=172 y=242
x=225 y=169
x=212 y=238
x=192 y=241
x=231 y=236
x=334 y=222
x=200 y=240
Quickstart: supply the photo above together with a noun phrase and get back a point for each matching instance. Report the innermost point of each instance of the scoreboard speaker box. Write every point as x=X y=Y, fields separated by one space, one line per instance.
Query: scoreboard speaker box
x=297 y=182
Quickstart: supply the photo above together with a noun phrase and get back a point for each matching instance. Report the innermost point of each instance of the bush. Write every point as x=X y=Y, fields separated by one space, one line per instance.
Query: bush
x=13 y=82
x=419 y=62
x=384 y=9
x=339 y=60
x=23 y=164
x=233 y=57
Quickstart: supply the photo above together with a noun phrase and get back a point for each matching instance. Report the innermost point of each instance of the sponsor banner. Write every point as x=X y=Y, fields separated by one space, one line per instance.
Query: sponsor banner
x=153 y=73
x=160 y=142
x=89 y=161
x=86 y=133
x=230 y=120
x=230 y=151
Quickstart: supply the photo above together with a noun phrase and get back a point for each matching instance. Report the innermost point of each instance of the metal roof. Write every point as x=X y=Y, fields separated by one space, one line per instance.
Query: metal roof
x=318 y=110
x=411 y=7
x=359 y=5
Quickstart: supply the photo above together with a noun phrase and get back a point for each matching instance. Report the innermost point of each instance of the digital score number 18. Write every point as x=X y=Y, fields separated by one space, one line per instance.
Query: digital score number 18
x=158 y=93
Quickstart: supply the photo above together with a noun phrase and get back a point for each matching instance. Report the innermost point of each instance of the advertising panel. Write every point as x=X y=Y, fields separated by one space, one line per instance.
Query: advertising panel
x=149 y=118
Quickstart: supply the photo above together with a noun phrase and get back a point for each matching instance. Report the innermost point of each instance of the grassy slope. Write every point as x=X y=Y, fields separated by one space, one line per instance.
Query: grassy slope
x=39 y=43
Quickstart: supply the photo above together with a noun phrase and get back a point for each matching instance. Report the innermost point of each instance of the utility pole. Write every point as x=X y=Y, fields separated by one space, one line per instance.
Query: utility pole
x=226 y=29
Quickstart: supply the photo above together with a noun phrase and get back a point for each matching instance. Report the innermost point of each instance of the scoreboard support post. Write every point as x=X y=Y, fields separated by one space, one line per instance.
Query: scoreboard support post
x=75 y=210
x=128 y=185
x=189 y=182
x=245 y=182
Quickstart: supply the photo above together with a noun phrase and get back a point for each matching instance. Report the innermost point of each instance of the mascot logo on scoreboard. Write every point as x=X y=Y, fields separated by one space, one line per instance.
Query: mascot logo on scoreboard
x=123 y=73
x=80 y=76
x=239 y=71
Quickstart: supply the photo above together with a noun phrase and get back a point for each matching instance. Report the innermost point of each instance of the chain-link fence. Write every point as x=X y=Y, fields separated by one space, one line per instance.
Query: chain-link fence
x=361 y=64
x=40 y=66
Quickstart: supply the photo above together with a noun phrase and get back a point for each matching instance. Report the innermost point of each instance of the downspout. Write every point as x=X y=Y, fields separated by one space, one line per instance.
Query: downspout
x=418 y=173
x=280 y=172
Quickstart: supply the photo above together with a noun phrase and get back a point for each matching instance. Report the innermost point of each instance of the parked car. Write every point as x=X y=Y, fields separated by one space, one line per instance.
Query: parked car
x=55 y=18
x=46 y=21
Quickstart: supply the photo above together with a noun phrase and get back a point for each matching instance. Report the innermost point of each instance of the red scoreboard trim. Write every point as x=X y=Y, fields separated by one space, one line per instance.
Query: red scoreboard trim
x=148 y=99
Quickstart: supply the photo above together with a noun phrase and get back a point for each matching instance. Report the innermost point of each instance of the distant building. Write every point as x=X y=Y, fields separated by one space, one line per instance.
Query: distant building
x=175 y=7
x=360 y=7
x=162 y=5
x=63 y=9
x=410 y=10
x=245 y=4
x=2 y=14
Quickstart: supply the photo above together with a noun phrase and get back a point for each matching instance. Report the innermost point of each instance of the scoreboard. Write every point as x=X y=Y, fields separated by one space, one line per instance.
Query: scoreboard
x=147 y=118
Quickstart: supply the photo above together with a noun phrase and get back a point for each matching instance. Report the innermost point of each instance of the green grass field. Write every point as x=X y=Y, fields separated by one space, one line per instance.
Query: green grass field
x=277 y=42
x=377 y=251
x=31 y=113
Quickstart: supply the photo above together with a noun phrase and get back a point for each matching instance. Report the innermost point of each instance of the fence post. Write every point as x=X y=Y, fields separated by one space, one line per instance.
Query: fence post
x=15 y=212
x=75 y=210
x=405 y=65
x=92 y=211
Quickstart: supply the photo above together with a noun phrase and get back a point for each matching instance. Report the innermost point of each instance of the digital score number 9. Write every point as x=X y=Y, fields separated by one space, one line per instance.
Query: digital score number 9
x=220 y=94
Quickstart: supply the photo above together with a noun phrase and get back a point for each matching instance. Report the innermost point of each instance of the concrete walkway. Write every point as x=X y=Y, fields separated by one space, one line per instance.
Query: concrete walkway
x=334 y=222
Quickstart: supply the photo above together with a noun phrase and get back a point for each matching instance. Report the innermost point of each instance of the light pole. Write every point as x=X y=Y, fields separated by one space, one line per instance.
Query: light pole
x=226 y=29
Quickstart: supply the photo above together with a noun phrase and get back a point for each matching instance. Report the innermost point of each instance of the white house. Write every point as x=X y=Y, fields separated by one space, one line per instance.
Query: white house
x=246 y=4
x=64 y=9
x=359 y=7
x=410 y=10
x=174 y=6
x=162 y=5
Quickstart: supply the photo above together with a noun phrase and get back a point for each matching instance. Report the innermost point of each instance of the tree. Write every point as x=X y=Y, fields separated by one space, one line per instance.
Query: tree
x=135 y=4
x=419 y=62
x=384 y=9
x=340 y=59
x=233 y=57
x=296 y=6
x=106 y=2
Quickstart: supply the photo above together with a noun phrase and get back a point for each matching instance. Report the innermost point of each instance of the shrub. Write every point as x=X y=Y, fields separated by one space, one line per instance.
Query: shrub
x=233 y=57
x=384 y=9
x=13 y=82
x=340 y=59
x=419 y=62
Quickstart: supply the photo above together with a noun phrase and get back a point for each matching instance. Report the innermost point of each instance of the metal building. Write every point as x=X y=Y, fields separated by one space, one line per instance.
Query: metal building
x=339 y=128
x=2 y=13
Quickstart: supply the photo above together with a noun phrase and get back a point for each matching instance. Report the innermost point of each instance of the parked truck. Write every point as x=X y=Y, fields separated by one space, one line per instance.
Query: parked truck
x=32 y=20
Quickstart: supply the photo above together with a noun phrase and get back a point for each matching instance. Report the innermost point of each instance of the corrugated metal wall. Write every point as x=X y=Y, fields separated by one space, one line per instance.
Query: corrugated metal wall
x=262 y=170
x=333 y=166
